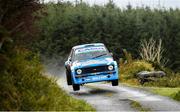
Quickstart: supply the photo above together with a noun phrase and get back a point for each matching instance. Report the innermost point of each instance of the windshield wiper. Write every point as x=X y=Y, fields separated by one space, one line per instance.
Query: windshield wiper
x=99 y=56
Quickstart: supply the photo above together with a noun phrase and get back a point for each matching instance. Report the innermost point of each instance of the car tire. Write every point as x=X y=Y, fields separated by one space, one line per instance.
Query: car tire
x=68 y=77
x=76 y=87
x=115 y=82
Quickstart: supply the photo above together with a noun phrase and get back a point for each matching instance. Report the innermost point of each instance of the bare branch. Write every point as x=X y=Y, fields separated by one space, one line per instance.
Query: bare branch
x=150 y=50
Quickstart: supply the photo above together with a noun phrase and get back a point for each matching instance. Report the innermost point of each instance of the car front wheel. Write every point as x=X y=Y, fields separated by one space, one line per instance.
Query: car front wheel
x=115 y=82
x=68 y=77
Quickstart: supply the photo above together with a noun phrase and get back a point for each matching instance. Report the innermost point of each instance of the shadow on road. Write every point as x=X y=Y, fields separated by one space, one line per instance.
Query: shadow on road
x=94 y=91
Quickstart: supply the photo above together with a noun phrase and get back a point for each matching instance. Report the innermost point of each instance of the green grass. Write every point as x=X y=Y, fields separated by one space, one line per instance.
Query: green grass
x=173 y=93
x=165 y=91
x=138 y=106
x=129 y=70
x=25 y=87
x=176 y=96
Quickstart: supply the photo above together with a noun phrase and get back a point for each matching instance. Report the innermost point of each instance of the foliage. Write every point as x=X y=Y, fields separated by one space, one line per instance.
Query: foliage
x=171 y=80
x=17 y=19
x=170 y=92
x=164 y=91
x=127 y=57
x=128 y=71
x=24 y=87
x=65 y=25
x=176 y=96
x=129 y=68
x=138 y=106
x=150 y=50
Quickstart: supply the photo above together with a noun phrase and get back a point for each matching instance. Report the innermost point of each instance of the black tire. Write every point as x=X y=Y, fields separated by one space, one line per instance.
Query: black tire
x=115 y=82
x=68 y=77
x=76 y=87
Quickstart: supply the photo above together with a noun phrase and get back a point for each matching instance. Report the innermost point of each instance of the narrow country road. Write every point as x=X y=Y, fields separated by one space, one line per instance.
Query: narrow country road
x=105 y=97
x=102 y=99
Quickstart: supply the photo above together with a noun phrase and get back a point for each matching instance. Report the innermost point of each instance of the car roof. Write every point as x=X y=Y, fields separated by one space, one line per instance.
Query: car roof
x=88 y=45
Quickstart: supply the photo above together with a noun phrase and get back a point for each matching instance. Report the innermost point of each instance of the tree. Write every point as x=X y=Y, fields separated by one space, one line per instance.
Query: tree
x=15 y=17
x=66 y=25
x=150 y=50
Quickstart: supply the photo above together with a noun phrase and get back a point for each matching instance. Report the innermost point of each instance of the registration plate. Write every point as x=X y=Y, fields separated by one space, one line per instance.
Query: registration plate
x=98 y=77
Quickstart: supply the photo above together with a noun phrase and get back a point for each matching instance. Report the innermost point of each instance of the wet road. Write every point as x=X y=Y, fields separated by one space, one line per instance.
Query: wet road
x=101 y=98
x=105 y=97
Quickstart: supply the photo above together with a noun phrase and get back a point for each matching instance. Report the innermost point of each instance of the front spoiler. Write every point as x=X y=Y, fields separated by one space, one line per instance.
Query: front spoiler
x=99 y=77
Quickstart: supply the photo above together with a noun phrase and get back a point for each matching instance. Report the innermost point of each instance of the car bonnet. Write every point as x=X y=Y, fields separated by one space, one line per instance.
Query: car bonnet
x=107 y=60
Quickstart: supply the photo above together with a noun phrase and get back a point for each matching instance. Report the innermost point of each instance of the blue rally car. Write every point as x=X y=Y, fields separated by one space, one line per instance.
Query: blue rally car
x=90 y=63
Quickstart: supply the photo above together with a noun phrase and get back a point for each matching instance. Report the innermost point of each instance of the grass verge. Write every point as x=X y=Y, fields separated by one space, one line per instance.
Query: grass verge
x=138 y=106
x=173 y=93
x=25 y=87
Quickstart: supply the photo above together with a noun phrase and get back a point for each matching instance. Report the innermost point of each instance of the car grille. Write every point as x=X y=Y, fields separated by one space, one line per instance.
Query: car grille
x=95 y=69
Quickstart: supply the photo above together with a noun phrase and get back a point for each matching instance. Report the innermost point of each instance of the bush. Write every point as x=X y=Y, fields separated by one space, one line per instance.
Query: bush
x=128 y=70
x=151 y=50
x=171 y=80
x=176 y=96
x=24 y=87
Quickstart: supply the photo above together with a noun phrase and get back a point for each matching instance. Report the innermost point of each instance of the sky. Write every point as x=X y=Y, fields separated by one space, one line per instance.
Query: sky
x=134 y=3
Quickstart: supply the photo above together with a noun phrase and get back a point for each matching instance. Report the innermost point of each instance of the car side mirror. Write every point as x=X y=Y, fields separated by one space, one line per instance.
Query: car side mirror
x=111 y=53
x=66 y=63
x=70 y=59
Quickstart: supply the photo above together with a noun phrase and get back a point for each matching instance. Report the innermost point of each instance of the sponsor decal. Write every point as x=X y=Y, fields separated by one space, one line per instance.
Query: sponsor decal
x=87 y=79
x=89 y=49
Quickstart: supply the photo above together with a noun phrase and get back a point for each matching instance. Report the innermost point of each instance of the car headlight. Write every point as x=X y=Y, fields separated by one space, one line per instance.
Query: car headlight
x=78 y=71
x=110 y=67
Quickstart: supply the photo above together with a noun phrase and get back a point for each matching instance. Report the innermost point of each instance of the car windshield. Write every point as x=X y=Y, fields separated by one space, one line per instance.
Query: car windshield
x=90 y=53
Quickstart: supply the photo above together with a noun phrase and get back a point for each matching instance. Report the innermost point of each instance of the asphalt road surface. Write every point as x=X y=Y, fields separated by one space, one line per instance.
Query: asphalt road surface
x=104 y=97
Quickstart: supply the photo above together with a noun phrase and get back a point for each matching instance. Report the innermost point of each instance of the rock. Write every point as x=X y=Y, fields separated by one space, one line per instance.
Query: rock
x=145 y=76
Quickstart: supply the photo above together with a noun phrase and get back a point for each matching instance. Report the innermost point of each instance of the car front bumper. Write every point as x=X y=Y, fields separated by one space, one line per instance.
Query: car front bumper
x=95 y=77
